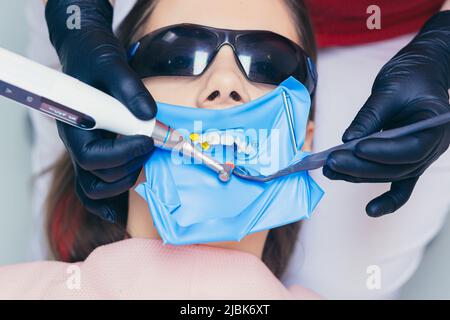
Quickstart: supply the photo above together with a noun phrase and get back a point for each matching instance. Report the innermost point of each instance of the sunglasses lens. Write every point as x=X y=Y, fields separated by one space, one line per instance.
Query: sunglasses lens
x=179 y=51
x=187 y=50
x=268 y=59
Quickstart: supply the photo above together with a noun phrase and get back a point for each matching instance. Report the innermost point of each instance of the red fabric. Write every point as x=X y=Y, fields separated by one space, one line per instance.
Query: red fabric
x=63 y=233
x=343 y=23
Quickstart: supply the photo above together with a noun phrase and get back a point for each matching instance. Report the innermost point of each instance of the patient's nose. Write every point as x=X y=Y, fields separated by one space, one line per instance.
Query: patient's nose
x=224 y=83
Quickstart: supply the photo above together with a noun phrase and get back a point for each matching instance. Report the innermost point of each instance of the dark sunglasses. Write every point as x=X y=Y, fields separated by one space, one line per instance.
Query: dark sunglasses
x=188 y=49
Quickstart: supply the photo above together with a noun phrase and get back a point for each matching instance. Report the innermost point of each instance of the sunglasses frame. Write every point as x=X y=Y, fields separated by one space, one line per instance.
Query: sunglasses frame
x=230 y=37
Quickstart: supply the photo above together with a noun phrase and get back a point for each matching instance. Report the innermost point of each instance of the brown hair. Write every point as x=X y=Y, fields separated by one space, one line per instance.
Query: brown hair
x=73 y=232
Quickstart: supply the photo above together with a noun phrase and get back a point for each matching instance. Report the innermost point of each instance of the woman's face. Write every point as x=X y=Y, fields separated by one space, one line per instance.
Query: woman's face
x=223 y=84
x=223 y=76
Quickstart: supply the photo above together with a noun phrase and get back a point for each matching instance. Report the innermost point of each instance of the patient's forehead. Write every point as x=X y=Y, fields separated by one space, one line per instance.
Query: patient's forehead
x=272 y=15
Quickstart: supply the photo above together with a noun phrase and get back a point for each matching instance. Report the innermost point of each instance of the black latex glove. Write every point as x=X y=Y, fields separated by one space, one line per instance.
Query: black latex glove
x=412 y=86
x=106 y=166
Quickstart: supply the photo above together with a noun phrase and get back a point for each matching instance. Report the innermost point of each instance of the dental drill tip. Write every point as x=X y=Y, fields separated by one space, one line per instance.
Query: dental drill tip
x=225 y=174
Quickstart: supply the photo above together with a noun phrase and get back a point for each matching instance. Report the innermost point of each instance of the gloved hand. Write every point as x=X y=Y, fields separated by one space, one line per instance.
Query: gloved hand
x=412 y=86
x=106 y=166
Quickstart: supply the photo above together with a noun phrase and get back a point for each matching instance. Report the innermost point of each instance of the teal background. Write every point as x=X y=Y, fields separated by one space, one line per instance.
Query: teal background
x=15 y=165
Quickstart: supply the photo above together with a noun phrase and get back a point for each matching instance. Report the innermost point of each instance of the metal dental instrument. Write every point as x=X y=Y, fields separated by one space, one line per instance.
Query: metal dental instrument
x=167 y=138
x=317 y=160
x=66 y=99
x=290 y=121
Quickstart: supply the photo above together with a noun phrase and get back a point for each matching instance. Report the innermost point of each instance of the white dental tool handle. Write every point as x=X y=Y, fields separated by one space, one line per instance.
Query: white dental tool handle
x=65 y=98
x=69 y=100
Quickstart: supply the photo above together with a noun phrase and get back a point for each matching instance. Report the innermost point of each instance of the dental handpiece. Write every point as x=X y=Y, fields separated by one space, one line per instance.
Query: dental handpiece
x=69 y=100
x=167 y=138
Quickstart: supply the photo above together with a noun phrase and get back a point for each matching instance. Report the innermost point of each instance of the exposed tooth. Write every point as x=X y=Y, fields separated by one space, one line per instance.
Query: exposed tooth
x=242 y=146
x=237 y=137
x=227 y=139
x=249 y=149
x=212 y=138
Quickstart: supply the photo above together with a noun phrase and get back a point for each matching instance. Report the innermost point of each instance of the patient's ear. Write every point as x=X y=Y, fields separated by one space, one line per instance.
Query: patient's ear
x=307 y=145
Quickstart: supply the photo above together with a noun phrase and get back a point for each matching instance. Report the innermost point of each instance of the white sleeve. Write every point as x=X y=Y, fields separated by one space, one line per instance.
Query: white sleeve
x=39 y=47
x=121 y=9
x=47 y=147
x=340 y=244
